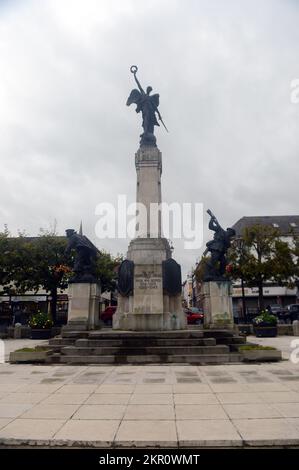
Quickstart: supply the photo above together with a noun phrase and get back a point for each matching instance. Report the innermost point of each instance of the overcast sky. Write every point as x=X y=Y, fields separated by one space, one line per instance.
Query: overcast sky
x=223 y=70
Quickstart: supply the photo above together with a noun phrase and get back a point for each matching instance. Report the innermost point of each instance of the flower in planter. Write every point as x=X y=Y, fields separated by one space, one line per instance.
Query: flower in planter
x=264 y=319
x=40 y=320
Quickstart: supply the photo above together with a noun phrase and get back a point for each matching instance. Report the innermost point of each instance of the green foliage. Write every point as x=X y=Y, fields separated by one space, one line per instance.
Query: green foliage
x=256 y=347
x=261 y=256
x=265 y=319
x=40 y=320
x=29 y=264
x=36 y=349
x=106 y=270
x=200 y=269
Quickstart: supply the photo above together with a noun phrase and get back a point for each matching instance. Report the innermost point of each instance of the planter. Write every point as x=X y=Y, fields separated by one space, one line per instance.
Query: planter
x=42 y=333
x=260 y=355
x=29 y=356
x=265 y=331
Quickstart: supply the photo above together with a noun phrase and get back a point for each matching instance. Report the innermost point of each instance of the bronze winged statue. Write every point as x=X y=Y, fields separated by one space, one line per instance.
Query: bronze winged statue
x=147 y=104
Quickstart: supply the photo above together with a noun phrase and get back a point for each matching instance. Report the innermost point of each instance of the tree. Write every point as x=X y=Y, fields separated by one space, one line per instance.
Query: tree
x=107 y=270
x=32 y=263
x=265 y=258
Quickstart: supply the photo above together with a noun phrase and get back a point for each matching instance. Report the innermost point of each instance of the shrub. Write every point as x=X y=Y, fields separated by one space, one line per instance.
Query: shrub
x=40 y=320
x=264 y=319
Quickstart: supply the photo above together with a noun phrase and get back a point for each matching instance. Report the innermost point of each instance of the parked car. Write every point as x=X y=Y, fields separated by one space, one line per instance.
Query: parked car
x=194 y=316
x=278 y=311
x=107 y=315
x=291 y=313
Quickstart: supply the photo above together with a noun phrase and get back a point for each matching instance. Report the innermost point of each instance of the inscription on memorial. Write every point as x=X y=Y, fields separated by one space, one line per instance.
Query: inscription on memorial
x=147 y=281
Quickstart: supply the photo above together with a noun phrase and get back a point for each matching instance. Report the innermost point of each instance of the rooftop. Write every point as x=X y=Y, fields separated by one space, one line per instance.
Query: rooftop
x=285 y=223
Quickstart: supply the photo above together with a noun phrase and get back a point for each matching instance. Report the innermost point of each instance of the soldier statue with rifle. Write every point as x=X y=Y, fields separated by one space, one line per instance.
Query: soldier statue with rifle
x=216 y=264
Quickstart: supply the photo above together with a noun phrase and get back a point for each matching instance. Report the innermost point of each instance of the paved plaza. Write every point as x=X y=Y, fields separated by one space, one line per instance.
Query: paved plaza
x=151 y=405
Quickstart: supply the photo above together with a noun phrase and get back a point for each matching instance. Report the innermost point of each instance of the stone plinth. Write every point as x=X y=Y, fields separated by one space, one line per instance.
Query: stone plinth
x=83 y=312
x=149 y=308
x=218 y=307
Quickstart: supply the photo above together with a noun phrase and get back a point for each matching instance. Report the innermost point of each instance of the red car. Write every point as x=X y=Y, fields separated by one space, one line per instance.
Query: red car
x=106 y=316
x=194 y=316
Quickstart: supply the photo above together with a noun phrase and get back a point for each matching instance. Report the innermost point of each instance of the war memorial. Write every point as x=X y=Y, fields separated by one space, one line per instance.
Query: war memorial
x=149 y=325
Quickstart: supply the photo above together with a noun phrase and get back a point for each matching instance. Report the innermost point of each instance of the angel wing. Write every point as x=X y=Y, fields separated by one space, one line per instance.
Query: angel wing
x=155 y=100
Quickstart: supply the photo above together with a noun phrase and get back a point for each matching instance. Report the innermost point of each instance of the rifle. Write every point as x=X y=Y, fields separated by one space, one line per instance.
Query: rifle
x=212 y=217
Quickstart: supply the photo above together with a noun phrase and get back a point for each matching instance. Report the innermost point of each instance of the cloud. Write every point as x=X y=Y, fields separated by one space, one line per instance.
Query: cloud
x=223 y=71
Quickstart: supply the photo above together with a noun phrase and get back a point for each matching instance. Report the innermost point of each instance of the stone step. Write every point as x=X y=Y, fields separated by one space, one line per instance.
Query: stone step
x=177 y=334
x=153 y=359
x=215 y=333
x=137 y=342
x=61 y=341
x=147 y=350
x=231 y=340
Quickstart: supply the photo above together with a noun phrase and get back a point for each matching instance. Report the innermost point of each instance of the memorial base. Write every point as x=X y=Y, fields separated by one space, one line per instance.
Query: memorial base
x=149 y=308
x=218 y=307
x=83 y=313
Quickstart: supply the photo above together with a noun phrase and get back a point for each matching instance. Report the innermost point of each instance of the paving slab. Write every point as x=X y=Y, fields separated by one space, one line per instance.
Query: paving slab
x=149 y=412
x=239 y=398
x=151 y=399
x=267 y=432
x=230 y=387
x=108 y=399
x=195 y=399
x=107 y=388
x=280 y=397
x=146 y=434
x=115 y=412
x=206 y=433
x=13 y=410
x=24 y=398
x=50 y=411
x=66 y=399
x=191 y=388
x=153 y=388
x=100 y=433
x=200 y=412
x=33 y=429
x=251 y=411
x=4 y=422
x=287 y=410
x=76 y=388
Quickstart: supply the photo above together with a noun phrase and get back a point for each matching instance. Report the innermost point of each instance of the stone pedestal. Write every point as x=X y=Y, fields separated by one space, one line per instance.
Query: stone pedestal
x=217 y=302
x=83 y=312
x=296 y=327
x=149 y=306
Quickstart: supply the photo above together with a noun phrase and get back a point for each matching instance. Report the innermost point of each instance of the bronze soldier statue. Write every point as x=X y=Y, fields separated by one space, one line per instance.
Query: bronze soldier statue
x=85 y=259
x=215 y=267
x=147 y=104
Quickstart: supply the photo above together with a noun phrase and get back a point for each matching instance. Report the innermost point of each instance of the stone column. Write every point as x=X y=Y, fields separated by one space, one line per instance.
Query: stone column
x=148 y=162
x=148 y=307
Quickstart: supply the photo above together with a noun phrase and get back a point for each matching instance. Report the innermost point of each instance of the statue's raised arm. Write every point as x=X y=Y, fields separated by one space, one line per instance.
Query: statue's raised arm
x=134 y=70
